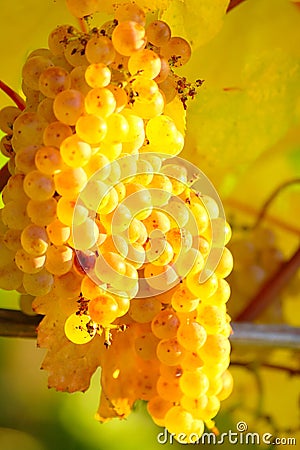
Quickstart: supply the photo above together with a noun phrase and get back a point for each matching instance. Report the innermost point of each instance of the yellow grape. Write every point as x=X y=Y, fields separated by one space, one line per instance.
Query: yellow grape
x=91 y=129
x=103 y=309
x=68 y=106
x=48 y=160
x=75 y=152
x=54 y=80
x=99 y=49
x=158 y=33
x=128 y=37
x=77 y=329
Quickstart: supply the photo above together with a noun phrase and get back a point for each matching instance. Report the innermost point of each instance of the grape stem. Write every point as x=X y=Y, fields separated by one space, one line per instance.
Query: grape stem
x=272 y=197
x=4 y=176
x=14 y=323
x=20 y=103
x=270 y=289
x=233 y=4
x=251 y=211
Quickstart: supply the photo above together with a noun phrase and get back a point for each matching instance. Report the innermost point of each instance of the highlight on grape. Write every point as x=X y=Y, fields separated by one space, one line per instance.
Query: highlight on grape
x=111 y=236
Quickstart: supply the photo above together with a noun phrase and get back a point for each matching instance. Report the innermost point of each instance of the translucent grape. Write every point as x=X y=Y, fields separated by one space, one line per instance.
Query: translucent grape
x=10 y=277
x=170 y=352
x=177 y=50
x=159 y=252
x=178 y=420
x=58 y=232
x=78 y=330
x=29 y=263
x=14 y=215
x=68 y=106
x=48 y=160
x=91 y=128
x=34 y=240
x=42 y=213
x=99 y=49
x=70 y=182
x=75 y=152
x=157 y=407
x=98 y=163
x=147 y=109
x=14 y=188
x=194 y=383
x=191 y=336
x=168 y=388
x=100 y=101
x=75 y=52
x=55 y=133
x=212 y=318
x=58 y=38
x=128 y=37
x=54 y=80
x=25 y=159
x=8 y=115
x=202 y=289
x=165 y=324
x=38 y=186
x=45 y=110
x=12 y=239
x=160 y=278
x=143 y=310
x=97 y=75
x=103 y=309
x=120 y=96
x=145 y=62
x=78 y=81
x=85 y=235
x=59 y=259
x=183 y=300
x=38 y=283
x=215 y=349
x=28 y=130
x=32 y=70
x=158 y=33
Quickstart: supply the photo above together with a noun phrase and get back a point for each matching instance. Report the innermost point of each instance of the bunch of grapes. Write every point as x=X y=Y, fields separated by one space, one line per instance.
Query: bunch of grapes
x=102 y=220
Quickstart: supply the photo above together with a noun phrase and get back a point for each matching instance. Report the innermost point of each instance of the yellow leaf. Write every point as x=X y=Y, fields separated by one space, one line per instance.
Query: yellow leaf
x=198 y=21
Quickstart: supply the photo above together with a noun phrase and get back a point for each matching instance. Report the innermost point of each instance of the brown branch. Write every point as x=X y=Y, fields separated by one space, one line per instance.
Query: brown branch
x=4 y=176
x=270 y=289
x=16 y=324
x=233 y=4
x=251 y=366
x=20 y=103
x=252 y=211
x=266 y=336
x=272 y=197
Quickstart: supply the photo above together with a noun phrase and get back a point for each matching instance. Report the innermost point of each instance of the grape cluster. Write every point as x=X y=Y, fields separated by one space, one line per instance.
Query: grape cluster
x=101 y=217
